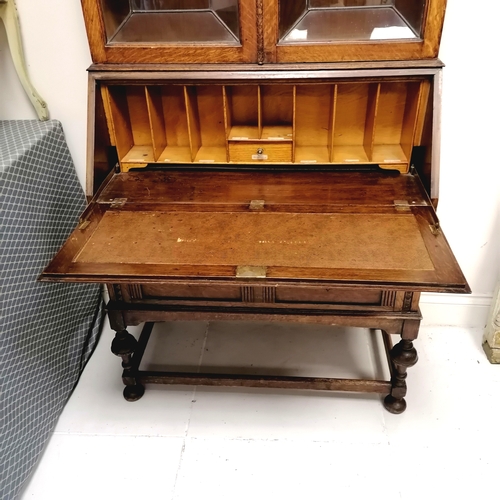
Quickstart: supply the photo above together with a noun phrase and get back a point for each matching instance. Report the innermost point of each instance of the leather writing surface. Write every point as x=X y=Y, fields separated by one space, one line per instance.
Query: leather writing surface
x=357 y=241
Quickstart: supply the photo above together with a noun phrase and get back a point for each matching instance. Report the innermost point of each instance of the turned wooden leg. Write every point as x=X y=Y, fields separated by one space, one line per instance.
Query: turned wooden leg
x=124 y=345
x=403 y=355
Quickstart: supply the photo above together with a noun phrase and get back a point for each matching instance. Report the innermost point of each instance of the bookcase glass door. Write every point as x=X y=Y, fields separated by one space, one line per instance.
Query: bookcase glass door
x=171 y=22
x=323 y=21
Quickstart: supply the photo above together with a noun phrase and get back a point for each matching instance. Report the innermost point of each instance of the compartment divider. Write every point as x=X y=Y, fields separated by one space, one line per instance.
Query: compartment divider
x=227 y=117
x=259 y=112
x=331 y=127
x=294 y=115
x=371 y=119
x=193 y=121
x=156 y=120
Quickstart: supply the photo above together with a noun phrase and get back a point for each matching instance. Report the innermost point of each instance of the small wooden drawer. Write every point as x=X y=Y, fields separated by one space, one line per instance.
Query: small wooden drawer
x=263 y=152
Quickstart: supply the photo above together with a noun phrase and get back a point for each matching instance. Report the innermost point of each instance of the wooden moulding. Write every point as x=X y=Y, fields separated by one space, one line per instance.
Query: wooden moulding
x=348 y=123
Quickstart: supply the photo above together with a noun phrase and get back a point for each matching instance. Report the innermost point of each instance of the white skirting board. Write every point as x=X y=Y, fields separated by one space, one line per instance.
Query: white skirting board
x=455 y=310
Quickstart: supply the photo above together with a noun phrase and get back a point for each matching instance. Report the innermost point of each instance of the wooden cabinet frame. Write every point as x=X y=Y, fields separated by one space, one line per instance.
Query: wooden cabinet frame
x=119 y=53
x=425 y=48
x=259 y=33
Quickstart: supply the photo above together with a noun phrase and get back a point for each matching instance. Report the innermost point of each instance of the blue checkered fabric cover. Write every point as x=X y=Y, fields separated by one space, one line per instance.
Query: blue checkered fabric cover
x=47 y=330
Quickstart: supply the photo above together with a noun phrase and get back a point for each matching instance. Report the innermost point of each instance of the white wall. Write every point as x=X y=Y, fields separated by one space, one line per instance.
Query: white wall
x=57 y=55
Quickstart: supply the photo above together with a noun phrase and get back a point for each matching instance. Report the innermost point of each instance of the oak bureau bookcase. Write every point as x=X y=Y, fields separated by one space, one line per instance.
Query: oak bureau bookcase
x=263 y=160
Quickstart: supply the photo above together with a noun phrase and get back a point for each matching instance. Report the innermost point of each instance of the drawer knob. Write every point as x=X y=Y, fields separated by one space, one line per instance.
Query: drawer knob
x=260 y=151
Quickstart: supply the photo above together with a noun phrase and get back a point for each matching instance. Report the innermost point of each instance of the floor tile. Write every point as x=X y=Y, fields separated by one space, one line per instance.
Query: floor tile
x=450 y=391
x=459 y=470
x=249 y=469
x=175 y=345
x=183 y=442
x=298 y=350
x=289 y=349
x=274 y=414
x=106 y=467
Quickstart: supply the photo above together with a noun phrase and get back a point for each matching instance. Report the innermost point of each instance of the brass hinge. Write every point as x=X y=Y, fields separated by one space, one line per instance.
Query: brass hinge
x=251 y=271
x=83 y=225
x=118 y=202
x=402 y=205
x=257 y=204
x=435 y=228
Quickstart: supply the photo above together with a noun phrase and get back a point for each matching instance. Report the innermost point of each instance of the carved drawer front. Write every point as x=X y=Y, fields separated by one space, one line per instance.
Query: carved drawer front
x=255 y=152
x=276 y=296
x=222 y=293
x=327 y=295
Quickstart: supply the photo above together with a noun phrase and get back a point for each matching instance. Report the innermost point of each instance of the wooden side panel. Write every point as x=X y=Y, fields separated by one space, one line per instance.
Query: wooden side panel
x=115 y=100
x=424 y=98
x=410 y=117
x=101 y=156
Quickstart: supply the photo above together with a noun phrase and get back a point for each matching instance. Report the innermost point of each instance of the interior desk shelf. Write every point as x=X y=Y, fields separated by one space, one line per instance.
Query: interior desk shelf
x=346 y=123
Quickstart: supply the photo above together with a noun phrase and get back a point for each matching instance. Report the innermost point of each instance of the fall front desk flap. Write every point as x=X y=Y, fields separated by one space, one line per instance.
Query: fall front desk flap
x=340 y=227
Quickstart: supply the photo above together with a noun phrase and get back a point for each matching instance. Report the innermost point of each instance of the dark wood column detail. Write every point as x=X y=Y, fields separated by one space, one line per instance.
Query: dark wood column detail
x=388 y=298
x=260 y=32
x=268 y=294
x=403 y=355
x=118 y=292
x=257 y=294
x=123 y=346
x=247 y=294
x=135 y=291
x=407 y=301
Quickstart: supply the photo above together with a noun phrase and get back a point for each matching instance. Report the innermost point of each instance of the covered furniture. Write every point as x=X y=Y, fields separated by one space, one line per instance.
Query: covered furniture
x=47 y=330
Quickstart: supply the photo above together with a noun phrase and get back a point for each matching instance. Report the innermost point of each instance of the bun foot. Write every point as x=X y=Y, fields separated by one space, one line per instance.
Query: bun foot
x=394 y=405
x=133 y=392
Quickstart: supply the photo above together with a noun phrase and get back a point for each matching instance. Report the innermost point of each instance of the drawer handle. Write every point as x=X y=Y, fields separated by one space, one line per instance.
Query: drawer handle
x=260 y=151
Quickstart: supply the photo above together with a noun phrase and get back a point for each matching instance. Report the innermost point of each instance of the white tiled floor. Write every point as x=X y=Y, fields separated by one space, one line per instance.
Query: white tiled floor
x=183 y=443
